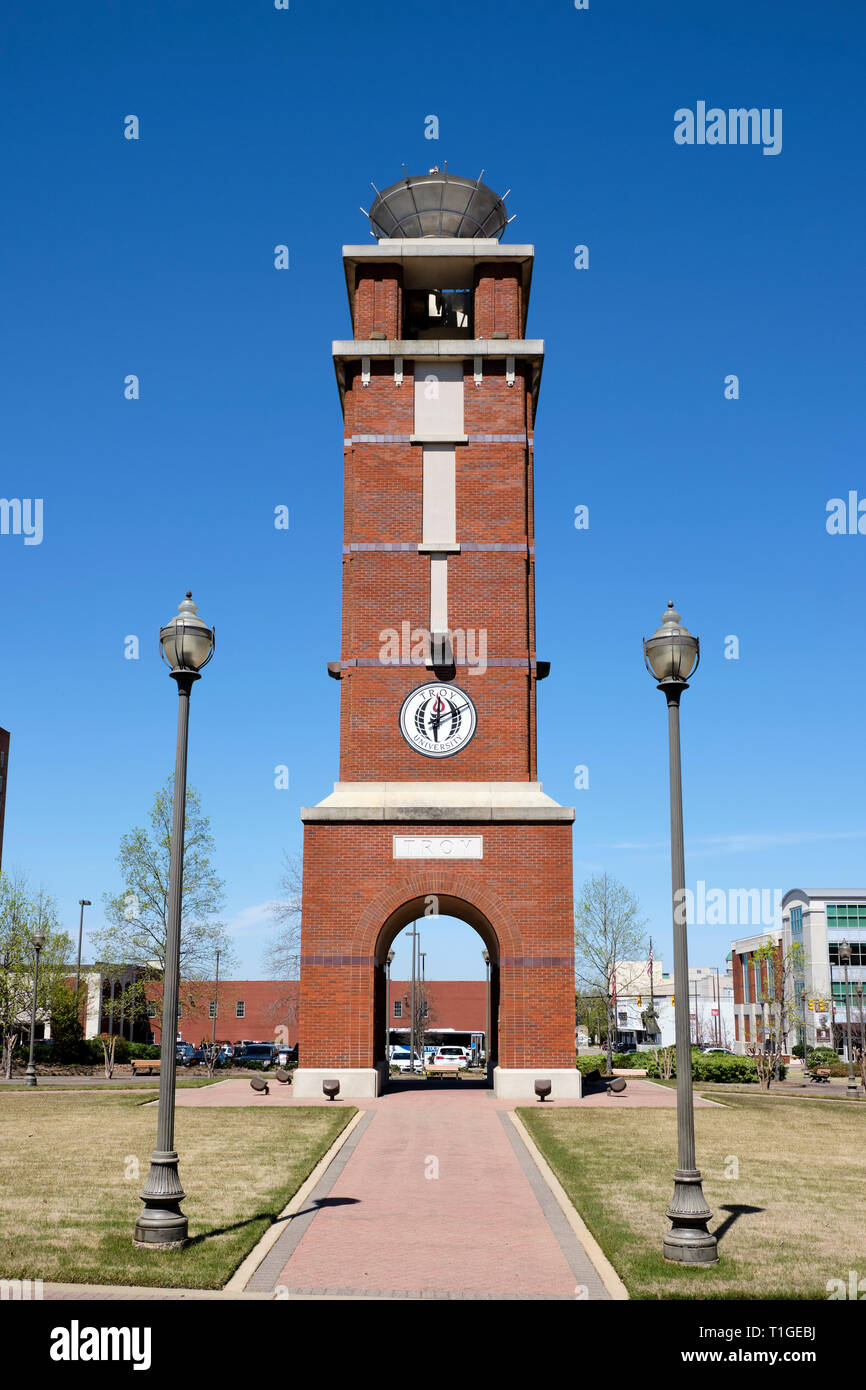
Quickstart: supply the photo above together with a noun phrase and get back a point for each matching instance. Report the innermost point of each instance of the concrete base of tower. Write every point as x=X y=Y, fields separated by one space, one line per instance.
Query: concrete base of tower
x=356 y=1083
x=518 y=1083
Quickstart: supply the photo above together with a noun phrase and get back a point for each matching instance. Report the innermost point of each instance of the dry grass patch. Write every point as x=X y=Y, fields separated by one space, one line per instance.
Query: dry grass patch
x=72 y=1166
x=798 y=1164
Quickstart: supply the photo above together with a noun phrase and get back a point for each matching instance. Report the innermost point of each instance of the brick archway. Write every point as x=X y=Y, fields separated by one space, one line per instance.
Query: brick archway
x=444 y=892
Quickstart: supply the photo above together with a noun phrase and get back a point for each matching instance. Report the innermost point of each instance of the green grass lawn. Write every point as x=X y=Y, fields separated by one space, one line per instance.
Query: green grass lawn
x=69 y=1187
x=800 y=1165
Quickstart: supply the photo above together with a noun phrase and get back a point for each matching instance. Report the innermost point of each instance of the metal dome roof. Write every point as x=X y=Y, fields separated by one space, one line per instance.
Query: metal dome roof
x=438 y=204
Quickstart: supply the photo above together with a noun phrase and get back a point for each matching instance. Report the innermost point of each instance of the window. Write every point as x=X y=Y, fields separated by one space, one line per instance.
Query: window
x=745 y=959
x=240 y=1009
x=839 y=992
x=846 y=915
x=858 y=953
x=212 y=1009
x=151 y=1008
x=179 y=1009
x=797 y=921
x=398 y=1008
x=737 y=1027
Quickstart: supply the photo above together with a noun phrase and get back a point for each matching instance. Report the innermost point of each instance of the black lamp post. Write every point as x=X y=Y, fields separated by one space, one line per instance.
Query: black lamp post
x=671 y=656
x=38 y=942
x=388 y=962
x=187 y=645
x=82 y=903
x=486 y=955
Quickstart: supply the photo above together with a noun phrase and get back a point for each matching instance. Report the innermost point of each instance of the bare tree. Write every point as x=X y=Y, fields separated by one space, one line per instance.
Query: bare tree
x=780 y=972
x=608 y=930
x=283 y=952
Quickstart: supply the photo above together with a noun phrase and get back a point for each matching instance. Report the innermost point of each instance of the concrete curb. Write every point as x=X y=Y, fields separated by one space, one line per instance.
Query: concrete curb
x=245 y=1271
x=602 y=1265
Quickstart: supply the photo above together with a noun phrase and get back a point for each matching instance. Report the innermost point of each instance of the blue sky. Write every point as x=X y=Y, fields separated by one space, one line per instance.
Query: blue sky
x=155 y=257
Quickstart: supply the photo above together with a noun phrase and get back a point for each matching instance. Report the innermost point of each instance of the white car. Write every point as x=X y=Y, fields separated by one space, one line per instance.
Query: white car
x=450 y=1055
x=400 y=1059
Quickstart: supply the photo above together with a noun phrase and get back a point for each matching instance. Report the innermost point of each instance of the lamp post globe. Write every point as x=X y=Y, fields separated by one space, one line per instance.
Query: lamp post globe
x=187 y=645
x=672 y=655
x=37 y=941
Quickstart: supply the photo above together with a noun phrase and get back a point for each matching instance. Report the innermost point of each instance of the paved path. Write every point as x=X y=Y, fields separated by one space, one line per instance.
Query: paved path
x=434 y=1195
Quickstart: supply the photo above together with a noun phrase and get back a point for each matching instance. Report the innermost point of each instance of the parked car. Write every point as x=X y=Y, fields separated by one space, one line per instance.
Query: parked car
x=200 y=1056
x=451 y=1055
x=287 y=1056
x=400 y=1058
x=266 y=1053
x=706 y=1051
x=185 y=1051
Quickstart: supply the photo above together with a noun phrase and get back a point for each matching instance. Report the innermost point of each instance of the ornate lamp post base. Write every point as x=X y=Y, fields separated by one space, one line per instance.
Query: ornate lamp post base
x=162 y=1225
x=688 y=1242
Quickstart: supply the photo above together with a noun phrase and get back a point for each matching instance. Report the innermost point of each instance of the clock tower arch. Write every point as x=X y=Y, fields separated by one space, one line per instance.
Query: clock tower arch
x=438 y=670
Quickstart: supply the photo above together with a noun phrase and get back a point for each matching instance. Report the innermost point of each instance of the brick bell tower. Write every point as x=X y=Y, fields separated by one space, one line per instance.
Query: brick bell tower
x=438 y=810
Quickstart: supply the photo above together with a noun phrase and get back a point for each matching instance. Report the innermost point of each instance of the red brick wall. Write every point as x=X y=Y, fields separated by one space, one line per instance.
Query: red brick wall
x=457 y=1004
x=498 y=301
x=489 y=591
x=270 y=1013
x=379 y=301
x=737 y=964
x=522 y=888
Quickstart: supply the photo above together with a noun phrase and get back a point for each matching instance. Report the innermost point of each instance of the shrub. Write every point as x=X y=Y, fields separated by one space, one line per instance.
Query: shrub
x=143 y=1051
x=822 y=1057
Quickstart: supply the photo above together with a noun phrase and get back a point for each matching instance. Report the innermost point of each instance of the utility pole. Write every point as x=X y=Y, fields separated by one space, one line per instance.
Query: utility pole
x=414 y=935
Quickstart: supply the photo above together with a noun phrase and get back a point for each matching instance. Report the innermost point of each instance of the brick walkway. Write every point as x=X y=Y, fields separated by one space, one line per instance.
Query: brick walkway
x=434 y=1195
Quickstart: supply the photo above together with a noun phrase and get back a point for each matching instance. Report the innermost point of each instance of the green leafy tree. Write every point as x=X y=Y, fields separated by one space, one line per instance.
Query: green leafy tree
x=608 y=930
x=137 y=918
x=779 y=974
x=22 y=912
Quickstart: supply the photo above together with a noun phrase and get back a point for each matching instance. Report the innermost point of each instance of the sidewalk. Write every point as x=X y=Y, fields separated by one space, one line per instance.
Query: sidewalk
x=433 y=1196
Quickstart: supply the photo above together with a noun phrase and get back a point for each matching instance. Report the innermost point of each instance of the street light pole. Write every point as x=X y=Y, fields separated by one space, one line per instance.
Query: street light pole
x=486 y=955
x=216 y=995
x=388 y=961
x=82 y=903
x=412 y=1004
x=422 y=956
x=671 y=655
x=38 y=943
x=845 y=956
x=187 y=645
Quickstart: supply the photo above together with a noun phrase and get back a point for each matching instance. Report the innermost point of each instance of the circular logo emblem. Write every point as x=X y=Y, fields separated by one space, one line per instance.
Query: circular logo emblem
x=437 y=720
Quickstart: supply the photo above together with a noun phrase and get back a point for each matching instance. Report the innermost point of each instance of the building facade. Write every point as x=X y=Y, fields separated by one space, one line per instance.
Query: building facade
x=819 y=924
x=711 y=1005
x=438 y=808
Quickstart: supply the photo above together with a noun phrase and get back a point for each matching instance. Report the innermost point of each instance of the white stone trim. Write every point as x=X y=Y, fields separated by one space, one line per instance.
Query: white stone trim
x=518 y=1083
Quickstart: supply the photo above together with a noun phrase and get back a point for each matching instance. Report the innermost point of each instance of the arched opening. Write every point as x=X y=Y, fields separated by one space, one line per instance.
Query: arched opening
x=427 y=911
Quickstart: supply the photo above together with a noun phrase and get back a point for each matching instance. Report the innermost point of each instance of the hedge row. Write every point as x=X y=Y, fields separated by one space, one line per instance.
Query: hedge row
x=87 y=1052
x=705 y=1066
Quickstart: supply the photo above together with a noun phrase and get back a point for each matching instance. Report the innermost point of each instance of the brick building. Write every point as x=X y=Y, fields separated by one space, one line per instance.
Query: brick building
x=438 y=807
x=457 y=1011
